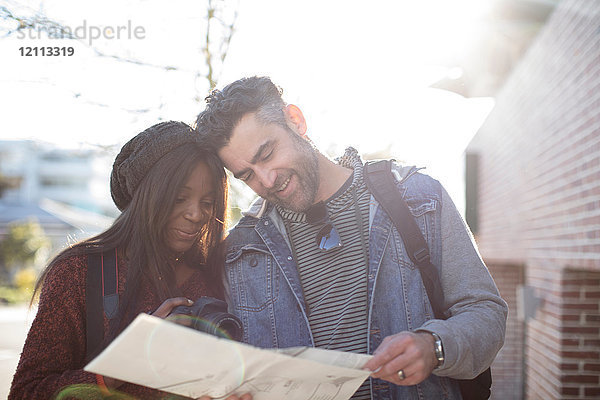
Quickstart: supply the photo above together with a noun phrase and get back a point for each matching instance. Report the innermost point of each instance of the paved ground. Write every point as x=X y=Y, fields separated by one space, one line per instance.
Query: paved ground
x=14 y=324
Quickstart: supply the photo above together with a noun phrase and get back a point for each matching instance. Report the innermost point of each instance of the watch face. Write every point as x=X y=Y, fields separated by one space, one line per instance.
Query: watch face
x=439 y=350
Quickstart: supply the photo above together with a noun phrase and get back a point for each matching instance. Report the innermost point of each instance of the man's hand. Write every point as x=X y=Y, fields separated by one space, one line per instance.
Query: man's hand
x=409 y=352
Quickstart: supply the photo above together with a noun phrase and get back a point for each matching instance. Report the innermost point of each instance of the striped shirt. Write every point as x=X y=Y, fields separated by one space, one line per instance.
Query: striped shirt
x=335 y=282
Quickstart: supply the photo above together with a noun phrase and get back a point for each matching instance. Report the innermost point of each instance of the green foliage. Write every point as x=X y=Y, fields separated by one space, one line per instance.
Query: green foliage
x=12 y=295
x=23 y=248
x=25 y=245
x=25 y=280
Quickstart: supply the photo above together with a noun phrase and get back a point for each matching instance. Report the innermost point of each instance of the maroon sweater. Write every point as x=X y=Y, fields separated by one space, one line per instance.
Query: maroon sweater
x=55 y=350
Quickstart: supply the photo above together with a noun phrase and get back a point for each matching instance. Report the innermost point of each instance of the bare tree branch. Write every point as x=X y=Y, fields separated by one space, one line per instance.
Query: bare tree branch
x=35 y=21
x=57 y=30
x=210 y=13
x=213 y=61
x=136 y=62
x=84 y=100
x=213 y=14
x=230 y=31
x=129 y=110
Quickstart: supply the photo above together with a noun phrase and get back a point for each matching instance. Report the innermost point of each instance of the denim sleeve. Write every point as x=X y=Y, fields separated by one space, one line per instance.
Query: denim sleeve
x=474 y=333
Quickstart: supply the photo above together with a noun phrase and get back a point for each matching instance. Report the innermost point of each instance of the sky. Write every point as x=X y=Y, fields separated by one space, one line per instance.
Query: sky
x=359 y=70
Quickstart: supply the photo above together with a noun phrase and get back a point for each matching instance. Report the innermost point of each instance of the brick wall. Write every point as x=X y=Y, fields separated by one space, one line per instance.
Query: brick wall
x=539 y=150
x=539 y=203
x=508 y=366
x=563 y=341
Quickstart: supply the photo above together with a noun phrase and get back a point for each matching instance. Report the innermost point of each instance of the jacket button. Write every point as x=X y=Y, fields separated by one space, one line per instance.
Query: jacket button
x=266 y=222
x=253 y=262
x=289 y=258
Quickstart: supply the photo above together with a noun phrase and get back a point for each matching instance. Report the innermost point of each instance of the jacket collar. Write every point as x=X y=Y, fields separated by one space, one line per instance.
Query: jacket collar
x=259 y=207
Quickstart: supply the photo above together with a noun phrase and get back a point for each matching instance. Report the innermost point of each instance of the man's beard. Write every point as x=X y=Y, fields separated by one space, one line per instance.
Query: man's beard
x=305 y=166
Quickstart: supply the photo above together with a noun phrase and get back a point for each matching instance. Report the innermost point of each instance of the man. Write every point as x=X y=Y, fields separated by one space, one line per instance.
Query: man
x=316 y=261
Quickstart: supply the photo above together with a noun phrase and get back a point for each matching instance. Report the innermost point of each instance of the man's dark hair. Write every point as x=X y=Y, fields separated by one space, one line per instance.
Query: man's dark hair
x=225 y=108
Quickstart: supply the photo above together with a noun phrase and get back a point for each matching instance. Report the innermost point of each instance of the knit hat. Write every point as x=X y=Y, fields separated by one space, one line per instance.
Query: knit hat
x=140 y=154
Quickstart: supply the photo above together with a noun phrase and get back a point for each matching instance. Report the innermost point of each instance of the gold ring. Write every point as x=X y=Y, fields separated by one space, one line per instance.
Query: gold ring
x=401 y=375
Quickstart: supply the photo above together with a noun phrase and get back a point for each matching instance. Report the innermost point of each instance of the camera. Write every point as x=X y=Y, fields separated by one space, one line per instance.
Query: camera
x=209 y=315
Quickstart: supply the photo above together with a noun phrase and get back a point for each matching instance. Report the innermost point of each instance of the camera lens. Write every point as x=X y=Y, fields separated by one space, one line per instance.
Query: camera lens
x=222 y=325
x=210 y=315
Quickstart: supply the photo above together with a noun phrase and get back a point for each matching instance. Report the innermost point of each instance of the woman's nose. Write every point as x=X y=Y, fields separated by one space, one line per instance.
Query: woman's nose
x=195 y=213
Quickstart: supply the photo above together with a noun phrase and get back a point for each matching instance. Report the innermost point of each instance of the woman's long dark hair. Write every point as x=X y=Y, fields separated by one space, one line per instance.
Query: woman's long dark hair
x=139 y=234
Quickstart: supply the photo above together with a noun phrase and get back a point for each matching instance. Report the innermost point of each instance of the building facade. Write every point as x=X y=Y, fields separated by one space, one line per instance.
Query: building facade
x=533 y=202
x=65 y=191
x=41 y=171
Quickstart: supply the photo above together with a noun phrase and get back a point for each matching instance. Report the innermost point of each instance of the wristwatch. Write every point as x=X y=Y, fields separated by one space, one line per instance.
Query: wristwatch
x=438 y=349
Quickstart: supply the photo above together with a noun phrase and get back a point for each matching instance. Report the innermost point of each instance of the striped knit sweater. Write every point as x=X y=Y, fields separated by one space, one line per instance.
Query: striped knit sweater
x=335 y=282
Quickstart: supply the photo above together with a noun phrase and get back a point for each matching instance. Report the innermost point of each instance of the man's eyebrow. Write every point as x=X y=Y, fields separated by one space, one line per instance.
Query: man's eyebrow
x=257 y=156
x=260 y=151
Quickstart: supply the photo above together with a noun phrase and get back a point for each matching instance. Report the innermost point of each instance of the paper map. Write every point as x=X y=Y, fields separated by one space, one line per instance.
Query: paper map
x=170 y=357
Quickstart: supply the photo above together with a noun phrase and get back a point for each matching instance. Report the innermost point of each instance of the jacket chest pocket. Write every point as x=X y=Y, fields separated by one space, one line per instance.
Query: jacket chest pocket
x=252 y=275
x=424 y=213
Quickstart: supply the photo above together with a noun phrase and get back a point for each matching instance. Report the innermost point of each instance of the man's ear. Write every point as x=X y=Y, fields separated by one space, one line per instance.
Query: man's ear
x=295 y=119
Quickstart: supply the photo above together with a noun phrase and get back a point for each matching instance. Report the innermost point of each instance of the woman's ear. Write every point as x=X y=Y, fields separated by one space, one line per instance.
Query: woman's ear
x=295 y=119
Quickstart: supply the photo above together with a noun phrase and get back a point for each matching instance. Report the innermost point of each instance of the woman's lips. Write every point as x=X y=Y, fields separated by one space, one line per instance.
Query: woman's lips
x=186 y=235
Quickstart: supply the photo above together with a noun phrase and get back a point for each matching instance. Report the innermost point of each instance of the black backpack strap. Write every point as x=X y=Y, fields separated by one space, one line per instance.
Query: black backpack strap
x=380 y=181
x=110 y=273
x=101 y=297
x=94 y=327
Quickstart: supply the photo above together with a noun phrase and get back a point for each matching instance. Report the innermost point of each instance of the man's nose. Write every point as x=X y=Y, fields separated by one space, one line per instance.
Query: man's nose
x=266 y=177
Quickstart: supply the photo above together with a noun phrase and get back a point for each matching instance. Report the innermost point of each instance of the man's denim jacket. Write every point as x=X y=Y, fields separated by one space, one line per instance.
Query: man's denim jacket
x=264 y=290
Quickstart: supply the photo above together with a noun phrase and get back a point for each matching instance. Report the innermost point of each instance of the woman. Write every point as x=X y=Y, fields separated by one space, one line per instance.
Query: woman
x=172 y=193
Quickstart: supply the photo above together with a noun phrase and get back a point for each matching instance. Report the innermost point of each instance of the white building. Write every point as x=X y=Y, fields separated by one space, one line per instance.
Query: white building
x=79 y=178
x=66 y=191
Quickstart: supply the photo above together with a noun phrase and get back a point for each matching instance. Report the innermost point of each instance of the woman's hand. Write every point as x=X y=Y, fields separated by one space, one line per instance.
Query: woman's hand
x=168 y=305
x=162 y=312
